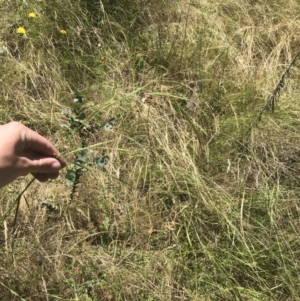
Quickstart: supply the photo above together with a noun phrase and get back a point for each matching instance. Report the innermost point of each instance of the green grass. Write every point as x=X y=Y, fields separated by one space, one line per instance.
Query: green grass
x=192 y=204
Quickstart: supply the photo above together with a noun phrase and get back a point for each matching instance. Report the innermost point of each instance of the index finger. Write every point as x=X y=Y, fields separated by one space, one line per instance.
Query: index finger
x=37 y=143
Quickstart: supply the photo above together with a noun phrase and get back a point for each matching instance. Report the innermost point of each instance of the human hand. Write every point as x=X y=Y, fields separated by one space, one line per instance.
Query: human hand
x=23 y=151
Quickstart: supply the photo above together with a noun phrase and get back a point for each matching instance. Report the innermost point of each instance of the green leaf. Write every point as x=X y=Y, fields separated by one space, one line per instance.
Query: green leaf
x=102 y=162
x=49 y=206
x=70 y=177
x=82 y=156
x=108 y=125
x=78 y=96
x=78 y=99
x=75 y=106
x=74 y=124
x=106 y=223
x=81 y=116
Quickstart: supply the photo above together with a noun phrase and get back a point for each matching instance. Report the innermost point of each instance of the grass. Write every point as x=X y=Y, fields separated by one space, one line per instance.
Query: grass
x=192 y=205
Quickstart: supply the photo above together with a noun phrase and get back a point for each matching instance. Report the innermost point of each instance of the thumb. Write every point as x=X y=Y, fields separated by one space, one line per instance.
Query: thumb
x=43 y=165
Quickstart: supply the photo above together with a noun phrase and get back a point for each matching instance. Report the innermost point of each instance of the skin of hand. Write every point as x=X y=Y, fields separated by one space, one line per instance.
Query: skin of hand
x=23 y=151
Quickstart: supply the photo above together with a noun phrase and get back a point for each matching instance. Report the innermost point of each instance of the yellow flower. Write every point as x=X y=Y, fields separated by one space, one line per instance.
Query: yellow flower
x=62 y=31
x=21 y=30
x=31 y=15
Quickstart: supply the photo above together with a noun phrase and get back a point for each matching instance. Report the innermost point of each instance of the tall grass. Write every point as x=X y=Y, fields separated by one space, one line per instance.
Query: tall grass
x=192 y=205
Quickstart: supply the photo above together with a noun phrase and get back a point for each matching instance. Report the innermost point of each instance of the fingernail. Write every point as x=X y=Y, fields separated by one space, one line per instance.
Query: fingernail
x=56 y=165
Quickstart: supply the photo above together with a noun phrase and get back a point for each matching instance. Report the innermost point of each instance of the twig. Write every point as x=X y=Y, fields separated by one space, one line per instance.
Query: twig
x=16 y=200
x=270 y=104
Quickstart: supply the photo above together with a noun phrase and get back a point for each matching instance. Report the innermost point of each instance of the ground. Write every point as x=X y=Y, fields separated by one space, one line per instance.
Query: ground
x=182 y=146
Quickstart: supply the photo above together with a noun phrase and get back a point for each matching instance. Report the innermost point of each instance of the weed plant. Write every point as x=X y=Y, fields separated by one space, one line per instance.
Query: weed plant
x=178 y=199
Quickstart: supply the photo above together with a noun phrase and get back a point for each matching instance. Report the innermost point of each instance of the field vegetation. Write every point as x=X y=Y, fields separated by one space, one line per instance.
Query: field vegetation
x=182 y=143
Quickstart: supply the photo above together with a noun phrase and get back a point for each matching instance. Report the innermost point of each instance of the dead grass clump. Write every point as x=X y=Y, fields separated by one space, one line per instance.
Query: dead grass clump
x=192 y=204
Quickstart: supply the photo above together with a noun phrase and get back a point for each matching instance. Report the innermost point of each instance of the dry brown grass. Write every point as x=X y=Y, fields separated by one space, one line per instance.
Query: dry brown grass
x=190 y=207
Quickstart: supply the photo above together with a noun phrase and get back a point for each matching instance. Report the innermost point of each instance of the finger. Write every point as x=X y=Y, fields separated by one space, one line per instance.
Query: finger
x=39 y=165
x=61 y=160
x=37 y=143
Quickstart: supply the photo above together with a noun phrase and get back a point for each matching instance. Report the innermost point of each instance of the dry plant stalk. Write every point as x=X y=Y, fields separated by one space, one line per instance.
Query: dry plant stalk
x=270 y=104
